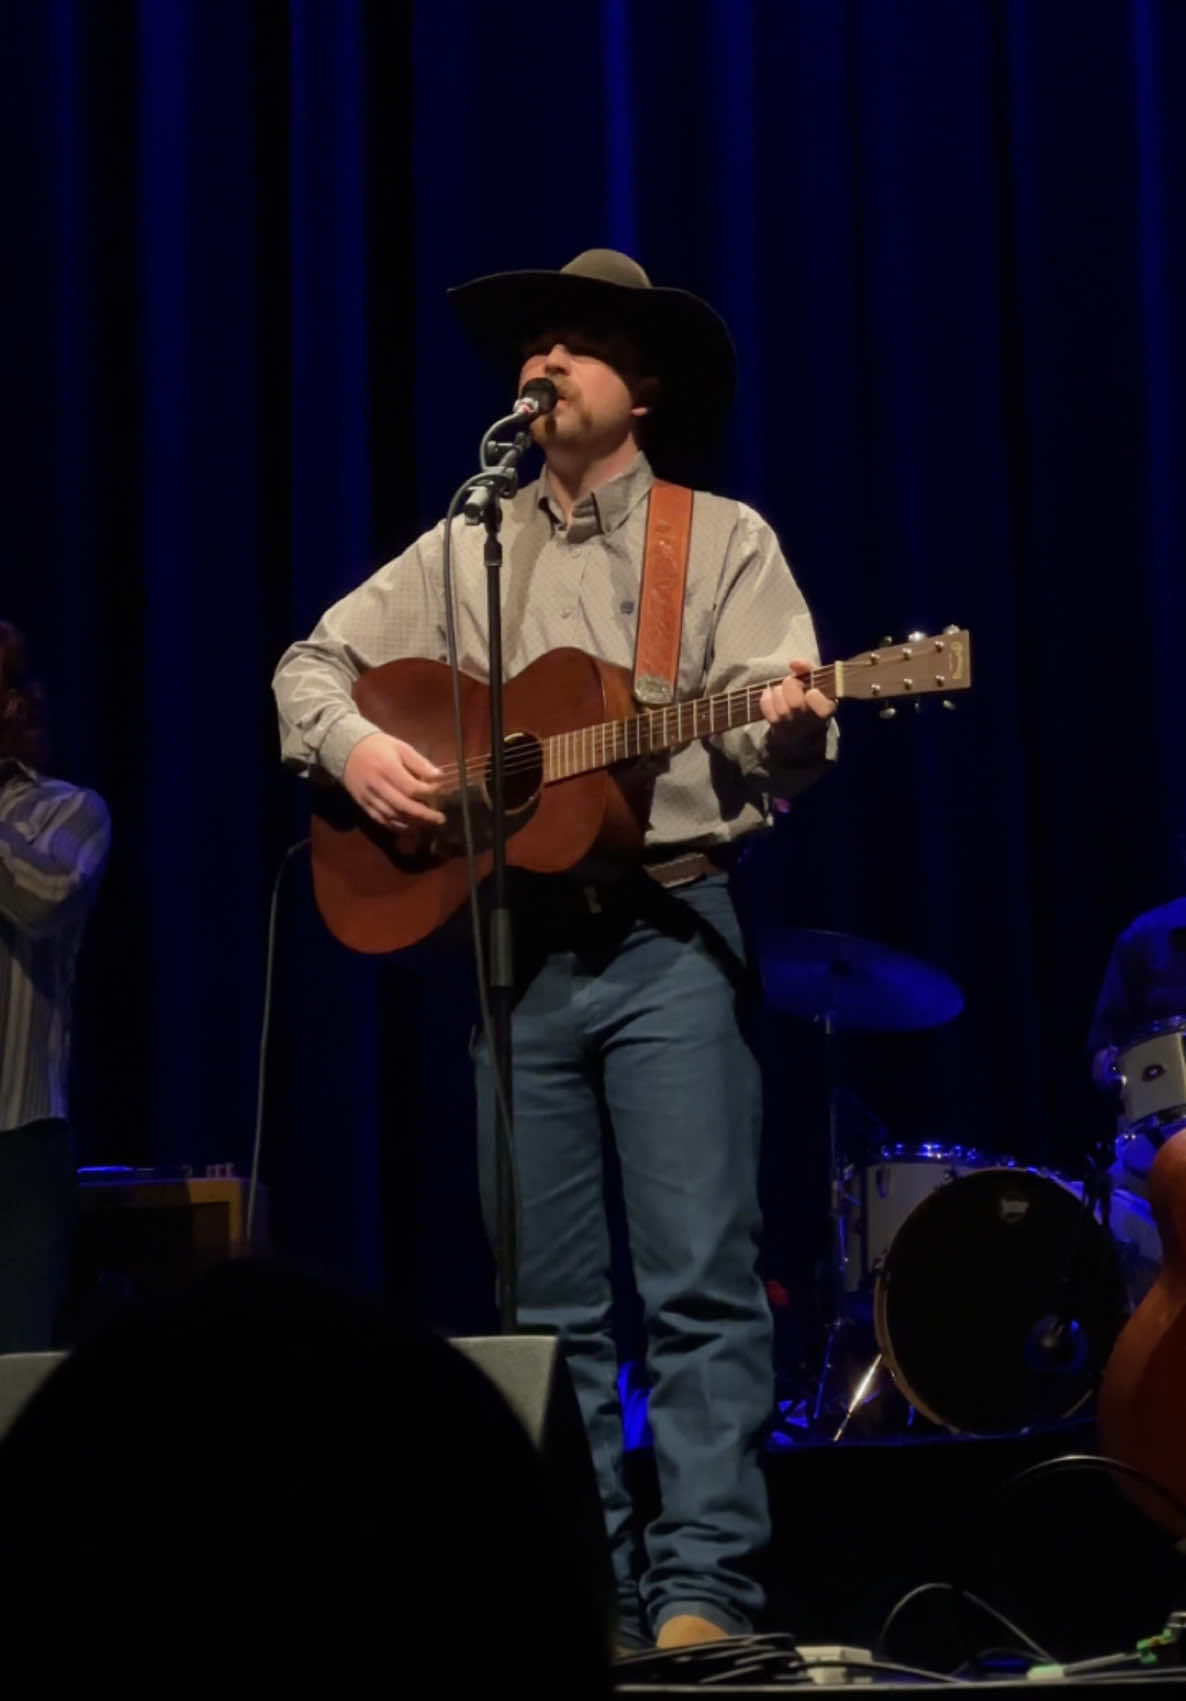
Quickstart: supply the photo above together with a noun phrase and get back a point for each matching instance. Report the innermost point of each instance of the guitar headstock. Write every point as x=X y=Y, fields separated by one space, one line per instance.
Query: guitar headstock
x=911 y=669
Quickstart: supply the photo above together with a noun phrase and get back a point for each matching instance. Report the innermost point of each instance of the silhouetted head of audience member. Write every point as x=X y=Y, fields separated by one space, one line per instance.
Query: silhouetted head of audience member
x=266 y=1456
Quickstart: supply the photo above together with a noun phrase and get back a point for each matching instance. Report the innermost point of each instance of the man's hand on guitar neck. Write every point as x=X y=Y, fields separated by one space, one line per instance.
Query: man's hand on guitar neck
x=798 y=716
x=388 y=779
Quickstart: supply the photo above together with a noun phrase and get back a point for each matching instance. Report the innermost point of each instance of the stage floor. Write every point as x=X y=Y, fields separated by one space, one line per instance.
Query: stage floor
x=858 y=1524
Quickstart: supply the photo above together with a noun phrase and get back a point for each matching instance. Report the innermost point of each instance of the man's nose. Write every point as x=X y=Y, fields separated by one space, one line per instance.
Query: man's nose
x=557 y=359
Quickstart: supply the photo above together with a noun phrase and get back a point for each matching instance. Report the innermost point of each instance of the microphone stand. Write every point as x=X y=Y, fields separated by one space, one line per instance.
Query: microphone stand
x=482 y=506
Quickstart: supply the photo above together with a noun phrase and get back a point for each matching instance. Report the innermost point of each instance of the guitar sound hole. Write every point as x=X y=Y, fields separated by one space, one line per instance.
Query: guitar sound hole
x=523 y=768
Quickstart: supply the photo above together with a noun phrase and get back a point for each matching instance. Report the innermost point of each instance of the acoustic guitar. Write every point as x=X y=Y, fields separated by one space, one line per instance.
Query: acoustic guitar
x=1142 y=1400
x=578 y=778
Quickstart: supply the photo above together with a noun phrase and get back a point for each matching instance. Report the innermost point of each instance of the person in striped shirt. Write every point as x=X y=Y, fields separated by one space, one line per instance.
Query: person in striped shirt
x=54 y=840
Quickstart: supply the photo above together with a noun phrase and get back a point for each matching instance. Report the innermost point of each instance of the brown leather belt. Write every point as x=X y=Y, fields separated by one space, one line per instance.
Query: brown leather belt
x=556 y=901
x=682 y=870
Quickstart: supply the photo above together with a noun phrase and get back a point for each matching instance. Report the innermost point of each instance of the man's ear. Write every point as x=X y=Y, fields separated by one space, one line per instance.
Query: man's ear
x=646 y=396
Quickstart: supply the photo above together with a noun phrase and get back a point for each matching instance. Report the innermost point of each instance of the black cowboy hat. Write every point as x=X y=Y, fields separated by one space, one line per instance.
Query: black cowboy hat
x=683 y=342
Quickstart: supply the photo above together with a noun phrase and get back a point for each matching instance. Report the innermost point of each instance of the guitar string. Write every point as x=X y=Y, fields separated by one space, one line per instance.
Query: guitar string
x=601 y=737
x=475 y=766
x=822 y=678
x=607 y=733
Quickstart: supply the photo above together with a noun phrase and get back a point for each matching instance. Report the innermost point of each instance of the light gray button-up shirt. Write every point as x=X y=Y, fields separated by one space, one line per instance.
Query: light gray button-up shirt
x=744 y=619
x=54 y=840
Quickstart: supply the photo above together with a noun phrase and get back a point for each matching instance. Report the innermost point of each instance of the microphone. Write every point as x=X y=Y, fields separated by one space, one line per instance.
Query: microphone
x=538 y=396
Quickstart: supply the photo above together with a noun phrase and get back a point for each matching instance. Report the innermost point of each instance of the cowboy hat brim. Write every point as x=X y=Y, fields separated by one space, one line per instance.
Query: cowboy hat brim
x=685 y=344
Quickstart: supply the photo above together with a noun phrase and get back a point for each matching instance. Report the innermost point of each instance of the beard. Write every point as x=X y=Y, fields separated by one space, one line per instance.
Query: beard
x=575 y=427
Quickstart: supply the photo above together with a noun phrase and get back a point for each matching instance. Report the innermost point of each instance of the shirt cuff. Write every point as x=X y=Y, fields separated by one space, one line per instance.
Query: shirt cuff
x=795 y=742
x=350 y=729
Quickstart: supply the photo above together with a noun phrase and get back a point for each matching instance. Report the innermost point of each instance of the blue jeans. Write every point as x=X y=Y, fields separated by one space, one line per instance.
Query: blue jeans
x=628 y=1028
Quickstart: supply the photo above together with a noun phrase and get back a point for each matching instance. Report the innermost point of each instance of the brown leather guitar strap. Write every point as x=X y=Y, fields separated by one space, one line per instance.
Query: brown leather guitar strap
x=661 y=598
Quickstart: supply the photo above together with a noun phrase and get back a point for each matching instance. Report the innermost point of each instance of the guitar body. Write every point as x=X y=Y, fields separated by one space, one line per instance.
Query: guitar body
x=379 y=891
x=577 y=791
x=1142 y=1400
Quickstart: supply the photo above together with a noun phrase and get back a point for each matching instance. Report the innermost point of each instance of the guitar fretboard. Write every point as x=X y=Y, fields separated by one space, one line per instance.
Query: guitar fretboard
x=656 y=730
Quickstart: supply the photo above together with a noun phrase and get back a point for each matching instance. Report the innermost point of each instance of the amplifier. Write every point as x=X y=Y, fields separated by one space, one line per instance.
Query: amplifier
x=144 y=1234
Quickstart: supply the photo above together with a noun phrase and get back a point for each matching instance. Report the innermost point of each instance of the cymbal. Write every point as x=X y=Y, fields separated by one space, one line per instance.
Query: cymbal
x=857 y=983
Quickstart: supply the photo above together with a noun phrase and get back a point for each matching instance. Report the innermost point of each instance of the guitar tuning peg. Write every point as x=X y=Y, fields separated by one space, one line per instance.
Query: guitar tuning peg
x=889 y=713
x=886 y=642
x=918 y=705
x=947 y=703
x=915 y=637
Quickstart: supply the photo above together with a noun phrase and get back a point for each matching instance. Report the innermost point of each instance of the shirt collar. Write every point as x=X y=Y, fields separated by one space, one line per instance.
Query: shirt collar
x=607 y=507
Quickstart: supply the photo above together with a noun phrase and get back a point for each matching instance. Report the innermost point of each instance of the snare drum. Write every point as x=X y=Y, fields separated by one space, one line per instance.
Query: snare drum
x=882 y=1195
x=969 y=1288
x=1151 y=1075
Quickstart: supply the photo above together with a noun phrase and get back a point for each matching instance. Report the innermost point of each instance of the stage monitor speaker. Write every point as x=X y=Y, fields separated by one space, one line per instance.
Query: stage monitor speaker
x=21 y=1374
x=527 y=1370
x=530 y=1373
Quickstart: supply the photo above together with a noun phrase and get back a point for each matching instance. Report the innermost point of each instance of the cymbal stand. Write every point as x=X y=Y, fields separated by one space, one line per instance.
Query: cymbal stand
x=838 y=1202
x=859 y=1394
x=842 y=1316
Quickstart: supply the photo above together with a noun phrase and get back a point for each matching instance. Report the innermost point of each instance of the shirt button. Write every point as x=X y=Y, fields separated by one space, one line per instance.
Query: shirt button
x=566 y=613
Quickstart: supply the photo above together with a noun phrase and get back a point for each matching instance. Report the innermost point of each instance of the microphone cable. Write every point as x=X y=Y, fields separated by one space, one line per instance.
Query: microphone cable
x=264 y=1035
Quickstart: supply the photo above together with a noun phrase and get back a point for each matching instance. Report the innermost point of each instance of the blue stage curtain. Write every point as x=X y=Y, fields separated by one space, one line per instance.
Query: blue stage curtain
x=949 y=242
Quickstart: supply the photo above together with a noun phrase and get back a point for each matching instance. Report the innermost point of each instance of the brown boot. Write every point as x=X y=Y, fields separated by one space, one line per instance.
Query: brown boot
x=687 y=1629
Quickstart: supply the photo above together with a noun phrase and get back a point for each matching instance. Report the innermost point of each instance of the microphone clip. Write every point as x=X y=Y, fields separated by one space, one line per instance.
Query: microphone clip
x=499 y=477
x=499 y=481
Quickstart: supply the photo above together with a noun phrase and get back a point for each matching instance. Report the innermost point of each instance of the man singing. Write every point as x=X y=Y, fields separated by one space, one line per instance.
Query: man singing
x=628 y=1031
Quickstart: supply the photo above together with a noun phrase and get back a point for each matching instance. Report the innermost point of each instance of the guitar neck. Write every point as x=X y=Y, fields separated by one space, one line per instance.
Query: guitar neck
x=653 y=731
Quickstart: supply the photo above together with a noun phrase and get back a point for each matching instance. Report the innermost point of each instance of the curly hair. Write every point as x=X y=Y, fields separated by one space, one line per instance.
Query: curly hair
x=22 y=702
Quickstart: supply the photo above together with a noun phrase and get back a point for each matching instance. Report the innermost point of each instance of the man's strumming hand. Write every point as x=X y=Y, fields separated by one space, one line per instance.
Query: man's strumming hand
x=389 y=780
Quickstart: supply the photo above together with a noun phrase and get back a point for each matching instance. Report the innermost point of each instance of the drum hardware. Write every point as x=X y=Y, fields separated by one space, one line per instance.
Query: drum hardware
x=1135 y=1238
x=1055 y=1338
x=1150 y=1077
x=883 y=1191
x=880 y=1195
x=859 y=984
x=998 y=1302
x=842 y=983
x=860 y=1394
x=995 y=1290
x=838 y=1260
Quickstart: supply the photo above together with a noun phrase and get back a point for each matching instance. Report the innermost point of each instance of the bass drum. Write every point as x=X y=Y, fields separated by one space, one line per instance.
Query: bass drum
x=971 y=1294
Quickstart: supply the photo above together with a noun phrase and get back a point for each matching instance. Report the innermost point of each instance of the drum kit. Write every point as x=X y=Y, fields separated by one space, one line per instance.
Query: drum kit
x=985 y=1294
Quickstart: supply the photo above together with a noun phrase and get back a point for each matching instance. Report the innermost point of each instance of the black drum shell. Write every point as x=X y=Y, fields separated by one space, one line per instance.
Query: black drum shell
x=998 y=1302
